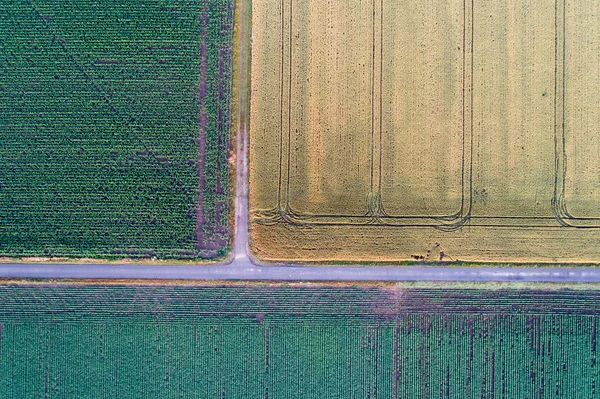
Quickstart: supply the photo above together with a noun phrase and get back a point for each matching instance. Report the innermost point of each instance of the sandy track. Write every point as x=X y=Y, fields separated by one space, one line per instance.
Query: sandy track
x=243 y=269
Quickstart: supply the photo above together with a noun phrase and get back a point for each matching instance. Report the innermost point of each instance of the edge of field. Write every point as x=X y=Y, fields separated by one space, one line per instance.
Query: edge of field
x=108 y=260
x=409 y=263
x=451 y=285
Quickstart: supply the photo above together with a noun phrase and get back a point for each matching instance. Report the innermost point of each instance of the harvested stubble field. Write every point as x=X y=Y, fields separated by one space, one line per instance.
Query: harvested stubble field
x=115 y=120
x=440 y=130
x=78 y=341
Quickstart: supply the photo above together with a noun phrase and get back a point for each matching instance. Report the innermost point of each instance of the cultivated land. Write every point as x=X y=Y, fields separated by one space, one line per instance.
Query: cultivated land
x=445 y=130
x=65 y=341
x=115 y=120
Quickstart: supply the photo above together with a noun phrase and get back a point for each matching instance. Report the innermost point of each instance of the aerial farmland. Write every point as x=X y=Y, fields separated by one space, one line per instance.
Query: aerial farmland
x=431 y=131
x=378 y=132
x=115 y=121
x=299 y=199
x=249 y=341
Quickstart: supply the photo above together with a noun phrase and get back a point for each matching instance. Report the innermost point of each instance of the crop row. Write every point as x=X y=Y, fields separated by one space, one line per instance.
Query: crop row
x=104 y=149
x=187 y=342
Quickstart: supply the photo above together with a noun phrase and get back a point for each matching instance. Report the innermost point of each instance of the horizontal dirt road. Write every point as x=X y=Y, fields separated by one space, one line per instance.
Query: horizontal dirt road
x=243 y=269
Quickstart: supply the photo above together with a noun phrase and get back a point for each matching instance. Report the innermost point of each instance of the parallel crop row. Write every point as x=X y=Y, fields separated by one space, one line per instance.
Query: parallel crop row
x=103 y=147
x=298 y=343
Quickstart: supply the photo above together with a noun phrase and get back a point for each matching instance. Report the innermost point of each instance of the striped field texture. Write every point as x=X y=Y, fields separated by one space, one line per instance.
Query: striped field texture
x=114 y=127
x=68 y=341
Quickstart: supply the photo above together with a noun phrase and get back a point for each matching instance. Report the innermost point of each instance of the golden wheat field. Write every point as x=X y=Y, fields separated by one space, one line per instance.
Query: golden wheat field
x=449 y=130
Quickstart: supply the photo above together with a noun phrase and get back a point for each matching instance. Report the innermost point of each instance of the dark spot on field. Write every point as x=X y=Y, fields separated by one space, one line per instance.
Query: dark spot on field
x=480 y=195
x=165 y=8
x=106 y=62
x=212 y=245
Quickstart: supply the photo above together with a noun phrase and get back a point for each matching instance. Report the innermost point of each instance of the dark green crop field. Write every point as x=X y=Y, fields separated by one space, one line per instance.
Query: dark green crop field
x=115 y=120
x=69 y=341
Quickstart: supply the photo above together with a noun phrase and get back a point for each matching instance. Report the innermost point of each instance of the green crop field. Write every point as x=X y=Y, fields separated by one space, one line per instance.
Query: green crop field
x=91 y=341
x=115 y=119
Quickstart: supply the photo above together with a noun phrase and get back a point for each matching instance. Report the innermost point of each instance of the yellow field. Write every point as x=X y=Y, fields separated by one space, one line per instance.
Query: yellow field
x=441 y=129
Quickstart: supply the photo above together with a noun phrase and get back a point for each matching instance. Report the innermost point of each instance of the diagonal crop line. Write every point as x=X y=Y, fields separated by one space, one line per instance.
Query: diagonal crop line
x=123 y=118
